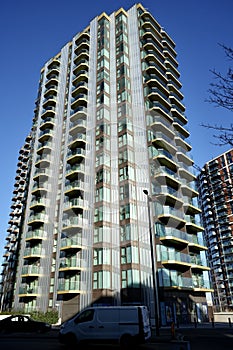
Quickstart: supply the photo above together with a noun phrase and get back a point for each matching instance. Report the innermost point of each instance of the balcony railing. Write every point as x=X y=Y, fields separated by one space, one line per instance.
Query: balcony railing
x=31 y=269
x=69 y=285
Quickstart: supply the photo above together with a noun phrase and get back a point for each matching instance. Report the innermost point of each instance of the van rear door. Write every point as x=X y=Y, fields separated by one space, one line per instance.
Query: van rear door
x=145 y=328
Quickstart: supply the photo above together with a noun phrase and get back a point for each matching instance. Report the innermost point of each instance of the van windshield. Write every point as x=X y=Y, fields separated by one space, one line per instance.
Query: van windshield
x=85 y=316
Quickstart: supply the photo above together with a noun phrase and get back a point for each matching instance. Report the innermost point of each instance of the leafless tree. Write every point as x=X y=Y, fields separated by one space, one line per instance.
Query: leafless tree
x=221 y=95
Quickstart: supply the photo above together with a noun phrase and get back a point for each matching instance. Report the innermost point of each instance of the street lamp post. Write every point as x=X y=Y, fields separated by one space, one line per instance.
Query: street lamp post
x=153 y=262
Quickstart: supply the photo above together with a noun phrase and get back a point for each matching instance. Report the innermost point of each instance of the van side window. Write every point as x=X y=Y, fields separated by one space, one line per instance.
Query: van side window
x=85 y=316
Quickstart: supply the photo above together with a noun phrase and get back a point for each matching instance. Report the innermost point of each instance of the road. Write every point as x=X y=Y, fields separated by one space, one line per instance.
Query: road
x=196 y=339
x=209 y=338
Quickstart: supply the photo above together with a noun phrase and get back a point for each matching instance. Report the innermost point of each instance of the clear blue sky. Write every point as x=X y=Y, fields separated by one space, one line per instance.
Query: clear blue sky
x=34 y=31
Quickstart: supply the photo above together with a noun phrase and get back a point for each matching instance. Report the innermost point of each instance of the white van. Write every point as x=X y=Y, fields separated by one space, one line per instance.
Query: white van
x=122 y=324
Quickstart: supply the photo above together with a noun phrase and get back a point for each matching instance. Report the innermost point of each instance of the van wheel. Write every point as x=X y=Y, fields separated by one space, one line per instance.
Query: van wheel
x=70 y=339
x=126 y=341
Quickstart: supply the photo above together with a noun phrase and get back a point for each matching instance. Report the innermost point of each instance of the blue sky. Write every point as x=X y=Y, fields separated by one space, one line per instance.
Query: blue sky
x=34 y=31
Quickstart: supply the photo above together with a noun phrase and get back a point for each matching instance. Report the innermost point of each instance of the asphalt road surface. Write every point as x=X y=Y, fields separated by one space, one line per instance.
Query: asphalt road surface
x=205 y=338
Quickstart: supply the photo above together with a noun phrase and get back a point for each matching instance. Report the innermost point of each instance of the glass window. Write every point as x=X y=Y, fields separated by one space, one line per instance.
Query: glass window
x=85 y=316
x=130 y=278
x=101 y=279
x=102 y=74
x=102 y=256
x=102 y=234
x=125 y=212
x=102 y=113
x=103 y=194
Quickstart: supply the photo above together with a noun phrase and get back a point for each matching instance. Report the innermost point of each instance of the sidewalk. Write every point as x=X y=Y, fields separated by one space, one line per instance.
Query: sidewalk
x=166 y=340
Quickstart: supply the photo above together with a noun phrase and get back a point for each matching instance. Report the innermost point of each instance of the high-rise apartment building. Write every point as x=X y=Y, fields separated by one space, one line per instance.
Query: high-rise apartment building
x=16 y=222
x=216 y=201
x=110 y=147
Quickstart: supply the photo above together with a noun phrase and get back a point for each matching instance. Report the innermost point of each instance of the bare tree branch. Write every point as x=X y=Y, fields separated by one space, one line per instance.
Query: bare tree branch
x=221 y=95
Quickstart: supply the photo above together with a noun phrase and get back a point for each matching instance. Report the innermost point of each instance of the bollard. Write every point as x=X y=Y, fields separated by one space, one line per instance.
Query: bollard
x=212 y=319
x=173 y=333
x=229 y=320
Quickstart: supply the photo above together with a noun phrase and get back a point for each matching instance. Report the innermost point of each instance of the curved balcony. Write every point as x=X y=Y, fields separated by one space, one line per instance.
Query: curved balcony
x=47 y=123
x=74 y=188
x=69 y=287
x=36 y=234
x=37 y=219
x=77 y=141
x=162 y=125
x=189 y=207
x=45 y=135
x=53 y=80
x=192 y=225
x=196 y=264
x=172 y=80
x=38 y=203
x=154 y=71
x=78 y=113
x=176 y=259
x=172 y=216
x=71 y=243
x=177 y=283
x=81 y=76
x=74 y=224
x=157 y=97
x=71 y=264
x=171 y=69
x=151 y=32
x=174 y=236
x=186 y=172
x=82 y=42
x=177 y=125
x=183 y=156
x=75 y=205
x=79 y=101
x=31 y=271
x=34 y=252
x=40 y=189
x=72 y=172
x=188 y=189
x=76 y=155
x=169 y=196
x=149 y=20
x=81 y=54
x=41 y=174
x=166 y=176
x=80 y=88
x=53 y=72
x=177 y=110
x=54 y=63
x=49 y=100
x=49 y=111
x=45 y=147
x=51 y=91
x=43 y=160
x=78 y=125
x=160 y=140
x=82 y=64
x=150 y=62
x=27 y=291
x=156 y=107
x=152 y=46
x=165 y=159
